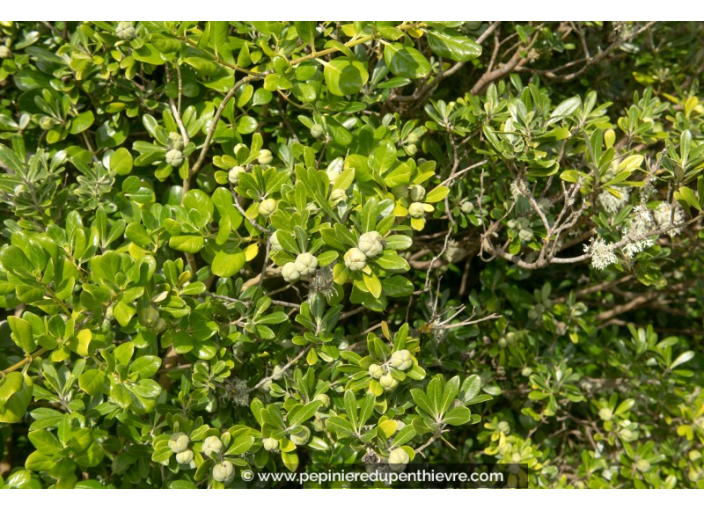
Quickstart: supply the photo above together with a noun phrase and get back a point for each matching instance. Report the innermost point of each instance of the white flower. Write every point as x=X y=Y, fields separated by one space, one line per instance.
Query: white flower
x=518 y=188
x=636 y=231
x=611 y=203
x=665 y=219
x=602 y=254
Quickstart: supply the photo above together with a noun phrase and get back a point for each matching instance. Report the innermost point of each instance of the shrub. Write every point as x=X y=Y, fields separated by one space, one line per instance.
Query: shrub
x=279 y=246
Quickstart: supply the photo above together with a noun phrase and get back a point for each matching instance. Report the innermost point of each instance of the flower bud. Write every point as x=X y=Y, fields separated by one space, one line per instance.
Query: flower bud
x=605 y=414
x=371 y=243
x=316 y=131
x=178 y=442
x=643 y=465
x=337 y=196
x=148 y=317
x=275 y=244
x=306 y=264
x=334 y=169
x=175 y=141
x=301 y=437
x=402 y=360
x=398 y=458
x=466 y=206
x=5 y=52
x=375 y=371
x=323 y=399
x=267 y=207
x=234 y=174
x=184 y=457
x=503 y=426
x=290 y=273
x=211 y=444
x=416 y=210
x=265 y=157
x=223 y=472
x=388 y=382
x=411 y=149
x=125 y=30
x=174 y=157
x=355 y=259
x=416 y=192
x=525 y=234
x=270 y=444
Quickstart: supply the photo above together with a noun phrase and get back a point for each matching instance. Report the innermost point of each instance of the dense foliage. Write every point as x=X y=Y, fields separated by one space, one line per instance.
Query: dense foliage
x=280 y=246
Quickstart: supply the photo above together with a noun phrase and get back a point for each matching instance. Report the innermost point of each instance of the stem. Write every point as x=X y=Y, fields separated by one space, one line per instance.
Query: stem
x=22 y=363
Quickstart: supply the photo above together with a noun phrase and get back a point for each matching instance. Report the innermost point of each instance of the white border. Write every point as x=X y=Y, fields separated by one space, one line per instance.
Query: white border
x=360 y=9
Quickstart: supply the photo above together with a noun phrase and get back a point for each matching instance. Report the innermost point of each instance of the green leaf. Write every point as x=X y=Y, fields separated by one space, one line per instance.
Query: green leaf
x=406 y=61
x=15 y=395
x=92 y=381
x=453 y=46
x=187 y=243
x=121 y=161
x=345 y=76
x=227 y=264
x=457 y=416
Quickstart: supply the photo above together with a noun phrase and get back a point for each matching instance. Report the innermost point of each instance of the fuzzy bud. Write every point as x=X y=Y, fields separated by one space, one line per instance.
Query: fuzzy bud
x=290 y=273
x=125 y=31
x=306 y=264
x=178 y=442
x=275 y=244
x=265 y=157
x=355 y=259
x=417 y=193
x=301 y=437
x=402 y=360
x=184 y=457
x=223 y=472
x=376 y=371
x=234 y=174
x=317 y=131
x=270 y=444
x=211 y=444
x=398 y=458
x=388 y=382
x=174 y=157
x=267 y=207
x=416 y=210
x=371 y=243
